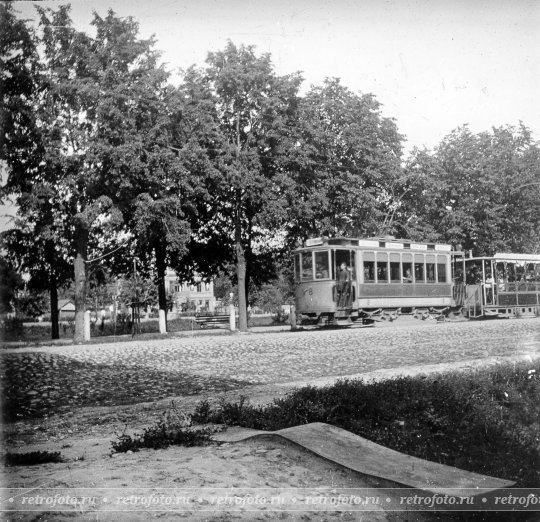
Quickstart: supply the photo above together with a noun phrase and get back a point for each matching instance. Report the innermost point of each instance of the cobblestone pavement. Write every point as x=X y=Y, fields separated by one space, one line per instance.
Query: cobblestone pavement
x=46 y=379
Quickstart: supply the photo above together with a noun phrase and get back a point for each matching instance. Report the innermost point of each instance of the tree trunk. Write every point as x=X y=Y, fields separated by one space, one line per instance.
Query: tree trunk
x=241 y=276
x=240 y=257
x=53 y=292
x=248 y=254
x=161 y=269
x=50 y=256
x=80 y=283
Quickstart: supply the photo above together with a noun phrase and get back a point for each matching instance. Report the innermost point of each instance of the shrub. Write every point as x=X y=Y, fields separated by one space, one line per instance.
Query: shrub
x=474 y=420
x=12 y=329
x=173 y=429
x=31 y=458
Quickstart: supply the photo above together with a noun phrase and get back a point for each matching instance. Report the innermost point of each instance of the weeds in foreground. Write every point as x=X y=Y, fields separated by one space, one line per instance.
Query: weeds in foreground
x=173 y=429
x=32 y=458
x=486 y=421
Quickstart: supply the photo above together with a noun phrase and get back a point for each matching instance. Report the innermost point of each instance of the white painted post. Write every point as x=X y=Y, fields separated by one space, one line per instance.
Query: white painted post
x=162 y=322
x=87 y=325
x=232 y=318
x=292 y=317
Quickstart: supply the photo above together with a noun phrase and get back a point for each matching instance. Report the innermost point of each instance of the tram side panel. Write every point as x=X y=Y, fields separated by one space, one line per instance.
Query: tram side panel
x=404 y=279
x=315 y=298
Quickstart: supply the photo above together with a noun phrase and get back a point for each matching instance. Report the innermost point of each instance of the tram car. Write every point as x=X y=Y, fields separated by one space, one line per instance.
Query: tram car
x=505 y=285
x=340 y=280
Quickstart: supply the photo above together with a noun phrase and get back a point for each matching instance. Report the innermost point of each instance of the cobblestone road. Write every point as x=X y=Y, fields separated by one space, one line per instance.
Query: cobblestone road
x=37 y=380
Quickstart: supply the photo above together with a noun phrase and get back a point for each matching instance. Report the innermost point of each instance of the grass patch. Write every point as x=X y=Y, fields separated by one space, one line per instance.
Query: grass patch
x=32 y=458
x=173 y=429
x=486 y=421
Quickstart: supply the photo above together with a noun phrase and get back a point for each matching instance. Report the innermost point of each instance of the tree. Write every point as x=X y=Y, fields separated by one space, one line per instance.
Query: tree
x=255 y=114
x=479 y=190
x=136 y=146
x=345 y=166
x=33 y=243
x=98 y=107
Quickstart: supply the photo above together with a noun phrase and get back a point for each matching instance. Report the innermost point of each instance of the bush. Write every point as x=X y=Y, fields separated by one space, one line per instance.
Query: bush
x=173 y=429
x=12 y=329
x=31 y=458
x=474 y=421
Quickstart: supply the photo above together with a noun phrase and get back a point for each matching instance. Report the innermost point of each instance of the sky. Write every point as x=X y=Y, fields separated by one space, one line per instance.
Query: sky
x=433 y=64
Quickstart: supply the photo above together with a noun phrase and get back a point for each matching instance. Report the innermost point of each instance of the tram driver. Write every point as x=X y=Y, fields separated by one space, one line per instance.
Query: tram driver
x=343 y=284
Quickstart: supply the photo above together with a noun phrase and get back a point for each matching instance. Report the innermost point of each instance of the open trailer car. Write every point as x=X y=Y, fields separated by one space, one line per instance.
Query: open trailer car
x=505 y=285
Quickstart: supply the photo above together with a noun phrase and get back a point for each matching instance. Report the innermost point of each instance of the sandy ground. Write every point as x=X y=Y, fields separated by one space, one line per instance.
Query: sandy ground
x=84 y=436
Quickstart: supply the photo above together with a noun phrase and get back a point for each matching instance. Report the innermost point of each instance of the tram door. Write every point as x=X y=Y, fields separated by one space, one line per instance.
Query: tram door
x=344 y=267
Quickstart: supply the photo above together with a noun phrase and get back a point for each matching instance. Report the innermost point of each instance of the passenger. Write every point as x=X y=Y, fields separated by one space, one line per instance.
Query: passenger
x=322 y=272
x=501 y=284
x=408 y=276
x=489 y=288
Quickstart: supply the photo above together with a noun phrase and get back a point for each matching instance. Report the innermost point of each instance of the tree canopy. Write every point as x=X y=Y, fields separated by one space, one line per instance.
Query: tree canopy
x=477 y=190
x=108 y=162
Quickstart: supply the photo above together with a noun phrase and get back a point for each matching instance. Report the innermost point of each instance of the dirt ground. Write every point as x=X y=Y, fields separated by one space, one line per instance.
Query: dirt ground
x=84 y=436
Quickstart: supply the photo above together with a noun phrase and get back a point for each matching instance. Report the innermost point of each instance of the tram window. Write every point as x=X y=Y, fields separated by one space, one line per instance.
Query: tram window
x=419 y=268
x=297 y=267
x=419 y=272
x=382 y=272
x=441 y=270
x=307 y=266
x=430 y=272
x=441 y=273
x=395 y=271
x=430 y=268
x=407 y=273
x=322 y=268
x=500 y=276
x=520 y=271
x=511 y=272
x=382 y=267
x=369 y=271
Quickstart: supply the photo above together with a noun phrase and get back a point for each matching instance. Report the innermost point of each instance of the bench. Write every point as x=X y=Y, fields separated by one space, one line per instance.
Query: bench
x=212 y=321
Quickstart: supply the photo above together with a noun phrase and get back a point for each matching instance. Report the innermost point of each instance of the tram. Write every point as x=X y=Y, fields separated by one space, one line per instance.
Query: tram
x=505 y=285
x=340 y=280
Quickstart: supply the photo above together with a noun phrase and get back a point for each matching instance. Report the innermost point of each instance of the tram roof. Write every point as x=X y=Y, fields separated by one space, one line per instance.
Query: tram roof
x=508 y=256
x=377 y=243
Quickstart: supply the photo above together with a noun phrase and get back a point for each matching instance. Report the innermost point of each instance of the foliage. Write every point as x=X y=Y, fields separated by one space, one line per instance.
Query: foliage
x=31 y=458
x=345 y=163
x=107 y=161
x=138 y=291
x=10 y=283
x=12 y=329
x=173 y=429
x=39 y=241
x=253 y=113
x=477 y=190
x=471 y=421
x=32 y=304
x=268 y=298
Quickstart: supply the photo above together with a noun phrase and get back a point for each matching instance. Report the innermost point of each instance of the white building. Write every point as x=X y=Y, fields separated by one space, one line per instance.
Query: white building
x=198 y=295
